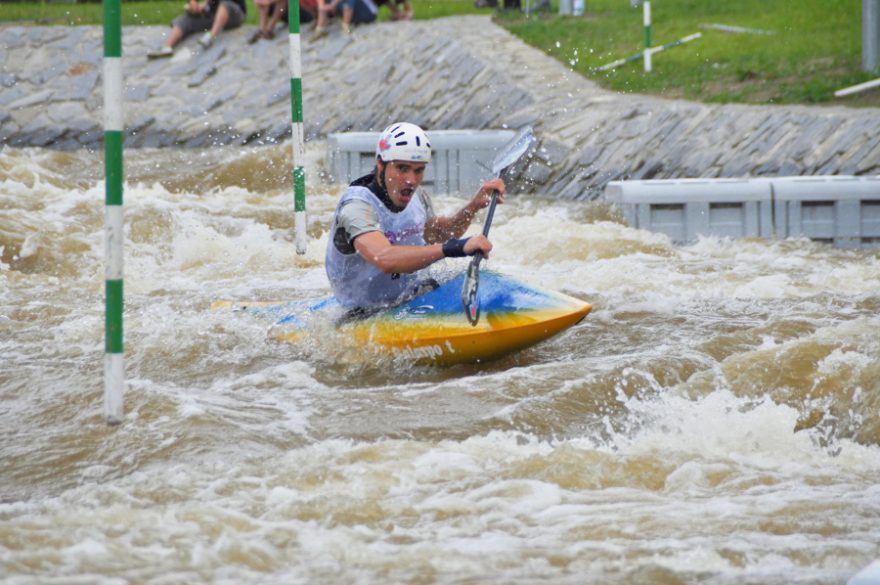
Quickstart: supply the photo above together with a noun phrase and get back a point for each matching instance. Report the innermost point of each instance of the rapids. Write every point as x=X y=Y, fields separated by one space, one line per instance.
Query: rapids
x=715 y=419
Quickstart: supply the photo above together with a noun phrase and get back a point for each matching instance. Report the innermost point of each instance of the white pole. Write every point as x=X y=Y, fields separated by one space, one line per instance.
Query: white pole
x=857 y=88
x=870 y=35
x=114 y=370
x=647 y=54
x=297 y=141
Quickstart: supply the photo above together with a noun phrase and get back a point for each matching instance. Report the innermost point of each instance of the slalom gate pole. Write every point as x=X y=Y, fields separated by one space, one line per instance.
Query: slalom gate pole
x=647 y=20
x=297 y=139
x=653 y=50
x=114 y=370
x=680 y=41
x=857 y=88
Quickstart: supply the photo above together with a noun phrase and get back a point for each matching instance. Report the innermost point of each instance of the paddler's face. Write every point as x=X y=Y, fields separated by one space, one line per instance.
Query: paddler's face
x=402 y=178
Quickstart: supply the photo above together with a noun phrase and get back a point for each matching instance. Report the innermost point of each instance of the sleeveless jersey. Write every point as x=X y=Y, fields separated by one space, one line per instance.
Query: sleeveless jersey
x=357 y=283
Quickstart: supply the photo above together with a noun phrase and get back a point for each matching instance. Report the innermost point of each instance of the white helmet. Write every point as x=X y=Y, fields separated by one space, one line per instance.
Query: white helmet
x=404 y=141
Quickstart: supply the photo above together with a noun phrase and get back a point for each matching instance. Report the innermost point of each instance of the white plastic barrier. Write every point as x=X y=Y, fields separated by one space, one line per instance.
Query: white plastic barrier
x=687 y=208
x=842 y=210
x=461 y=161
x=870 y=575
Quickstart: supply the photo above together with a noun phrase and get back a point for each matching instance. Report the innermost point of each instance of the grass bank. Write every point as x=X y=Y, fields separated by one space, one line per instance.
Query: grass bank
x=785 y=53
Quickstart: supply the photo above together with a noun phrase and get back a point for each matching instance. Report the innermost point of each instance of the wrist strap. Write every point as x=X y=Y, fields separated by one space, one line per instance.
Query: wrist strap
x=454 y=248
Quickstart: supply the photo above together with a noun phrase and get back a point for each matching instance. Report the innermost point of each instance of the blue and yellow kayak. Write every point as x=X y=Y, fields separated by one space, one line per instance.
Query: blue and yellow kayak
x=433 y=328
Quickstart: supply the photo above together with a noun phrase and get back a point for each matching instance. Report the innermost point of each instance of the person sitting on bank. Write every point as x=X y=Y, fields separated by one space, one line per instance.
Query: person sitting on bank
x=211 y=16
x=276 y=11
x=270 y=13
x=353 y=12
x=384 y=230
x=400 y=9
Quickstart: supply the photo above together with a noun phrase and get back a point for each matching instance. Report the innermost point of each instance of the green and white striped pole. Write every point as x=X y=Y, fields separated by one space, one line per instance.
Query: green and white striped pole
x=647 y=15
x=297 y=139
x=114 y=371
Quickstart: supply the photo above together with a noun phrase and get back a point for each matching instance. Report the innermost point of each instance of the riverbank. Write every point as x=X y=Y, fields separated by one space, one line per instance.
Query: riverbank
x=458 y=72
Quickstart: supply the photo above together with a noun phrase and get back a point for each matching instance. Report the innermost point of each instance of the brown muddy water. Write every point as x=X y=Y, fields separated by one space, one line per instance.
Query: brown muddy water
x=715 y=419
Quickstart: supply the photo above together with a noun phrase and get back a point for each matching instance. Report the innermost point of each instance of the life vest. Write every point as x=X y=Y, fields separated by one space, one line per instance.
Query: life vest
x=357 y=283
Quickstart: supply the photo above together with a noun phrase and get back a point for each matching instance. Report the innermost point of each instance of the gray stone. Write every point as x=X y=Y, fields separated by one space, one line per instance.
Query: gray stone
x=92 y=136
x=332 y=48
x=13 y=38
x=136 y=93
x=201 y=74
x=536 y=173
x=552 y=152
x=35 y=99
x=39 y=135
x=8 y=130
x=11 y=95
x=139 y=124
x=82 y=86
x=460 y=72
x=61 y=113
x=70 y=42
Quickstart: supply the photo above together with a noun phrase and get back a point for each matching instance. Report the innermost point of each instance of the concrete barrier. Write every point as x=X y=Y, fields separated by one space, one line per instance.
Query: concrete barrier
x=688 y=208
x=842 y=210
x=870 y=575
x=462 y=159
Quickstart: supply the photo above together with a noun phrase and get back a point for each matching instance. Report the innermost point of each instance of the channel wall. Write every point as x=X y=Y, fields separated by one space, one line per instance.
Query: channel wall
x=451 y=73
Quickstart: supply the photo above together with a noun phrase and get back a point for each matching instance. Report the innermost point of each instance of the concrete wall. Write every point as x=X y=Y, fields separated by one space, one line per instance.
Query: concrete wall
x=456 y=73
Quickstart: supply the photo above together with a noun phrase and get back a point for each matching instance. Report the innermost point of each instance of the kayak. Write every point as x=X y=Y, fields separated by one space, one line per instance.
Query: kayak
x=432 y=327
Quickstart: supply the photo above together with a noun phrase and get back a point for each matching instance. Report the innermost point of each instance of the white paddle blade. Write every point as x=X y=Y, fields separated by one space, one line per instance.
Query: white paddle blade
x=513 y=150
x=469 y=292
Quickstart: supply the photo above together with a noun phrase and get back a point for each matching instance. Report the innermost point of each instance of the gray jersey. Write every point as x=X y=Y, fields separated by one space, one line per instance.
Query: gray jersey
x=357 y=283
x=358 y=217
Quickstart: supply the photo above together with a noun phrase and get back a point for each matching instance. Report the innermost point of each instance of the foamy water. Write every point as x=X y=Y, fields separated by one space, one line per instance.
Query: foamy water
x=715 y=419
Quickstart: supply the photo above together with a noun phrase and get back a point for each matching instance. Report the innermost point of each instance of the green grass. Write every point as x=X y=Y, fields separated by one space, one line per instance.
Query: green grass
x=814 y=50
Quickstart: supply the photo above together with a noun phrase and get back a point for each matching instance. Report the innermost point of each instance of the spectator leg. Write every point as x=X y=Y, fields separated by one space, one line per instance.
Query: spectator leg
x=220 y=20
x=174 y=37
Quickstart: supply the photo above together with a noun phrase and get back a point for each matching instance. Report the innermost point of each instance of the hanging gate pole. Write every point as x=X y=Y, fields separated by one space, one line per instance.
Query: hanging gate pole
x=297 y=139
x=114 y=371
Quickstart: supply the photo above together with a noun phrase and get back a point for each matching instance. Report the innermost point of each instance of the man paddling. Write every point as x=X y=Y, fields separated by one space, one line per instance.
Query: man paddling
x=384 y=229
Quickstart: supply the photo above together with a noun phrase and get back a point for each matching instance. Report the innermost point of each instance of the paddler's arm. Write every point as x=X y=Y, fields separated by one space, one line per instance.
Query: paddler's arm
x=440 y=229
x=375 y=248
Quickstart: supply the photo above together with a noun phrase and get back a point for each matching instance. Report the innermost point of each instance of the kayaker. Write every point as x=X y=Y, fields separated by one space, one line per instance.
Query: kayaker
x=385 y=230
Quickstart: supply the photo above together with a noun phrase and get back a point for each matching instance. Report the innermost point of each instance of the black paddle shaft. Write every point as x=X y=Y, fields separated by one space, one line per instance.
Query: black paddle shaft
x=490 y=214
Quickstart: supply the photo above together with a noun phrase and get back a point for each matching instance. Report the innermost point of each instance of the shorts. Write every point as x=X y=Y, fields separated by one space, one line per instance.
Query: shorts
x=364 y=10
x=193 y=24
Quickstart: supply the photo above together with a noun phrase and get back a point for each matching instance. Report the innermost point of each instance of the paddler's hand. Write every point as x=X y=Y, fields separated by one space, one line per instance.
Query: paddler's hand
x=484 y=195
x=478 y=243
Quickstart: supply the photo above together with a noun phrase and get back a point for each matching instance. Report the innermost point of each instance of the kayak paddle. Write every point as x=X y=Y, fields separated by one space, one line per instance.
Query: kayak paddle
x=504 y=160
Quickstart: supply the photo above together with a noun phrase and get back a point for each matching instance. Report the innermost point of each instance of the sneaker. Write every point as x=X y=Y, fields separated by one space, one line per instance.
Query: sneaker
x=206 y=40
x=346 y=29
x=160 y=53
x=320 y=31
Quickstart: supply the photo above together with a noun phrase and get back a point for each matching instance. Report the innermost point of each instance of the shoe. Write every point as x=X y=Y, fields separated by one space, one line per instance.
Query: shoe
x=346 y=29
x=206 y=40
x=320 y=32
x=256 y=37
x=269 y=35
x=160 y=53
